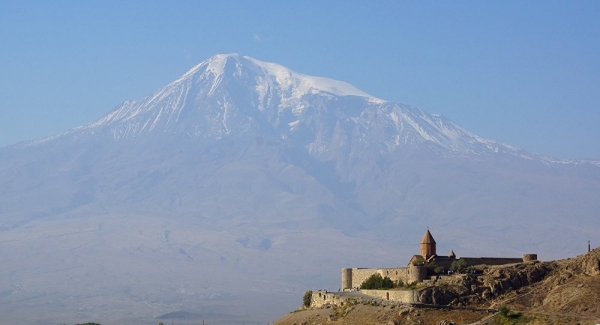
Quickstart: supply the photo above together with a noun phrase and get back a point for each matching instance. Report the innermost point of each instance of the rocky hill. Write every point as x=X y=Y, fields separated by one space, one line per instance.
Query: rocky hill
x=572 y=287
x=556 y=292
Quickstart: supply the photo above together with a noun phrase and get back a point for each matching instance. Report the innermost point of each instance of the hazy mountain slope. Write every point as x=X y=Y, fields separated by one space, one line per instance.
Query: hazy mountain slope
x=246 y=179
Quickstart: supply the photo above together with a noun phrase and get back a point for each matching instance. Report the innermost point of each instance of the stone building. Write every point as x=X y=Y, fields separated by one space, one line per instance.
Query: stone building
x=353 y=277
x=417 y=269
x=428 y=245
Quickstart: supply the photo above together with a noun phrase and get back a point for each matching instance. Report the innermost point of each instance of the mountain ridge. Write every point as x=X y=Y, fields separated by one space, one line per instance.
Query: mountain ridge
x=277 y=98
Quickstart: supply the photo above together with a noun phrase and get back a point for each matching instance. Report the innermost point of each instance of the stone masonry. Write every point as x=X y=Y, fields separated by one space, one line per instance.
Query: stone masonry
x=353 y=278
x=416 y=271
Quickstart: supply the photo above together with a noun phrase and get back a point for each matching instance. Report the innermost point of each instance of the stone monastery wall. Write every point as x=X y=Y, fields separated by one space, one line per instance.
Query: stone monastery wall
x=471 y=261
x=352 y=278
x=403 y=296
x=321 y=298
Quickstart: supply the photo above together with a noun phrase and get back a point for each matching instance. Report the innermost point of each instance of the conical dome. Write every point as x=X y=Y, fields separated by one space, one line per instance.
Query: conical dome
x=427 y=245
x=427 y=238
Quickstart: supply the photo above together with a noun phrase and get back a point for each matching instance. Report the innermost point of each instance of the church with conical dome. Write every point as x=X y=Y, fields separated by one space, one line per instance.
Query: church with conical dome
x=423 y=266
x=429 y=254
x=427 y=245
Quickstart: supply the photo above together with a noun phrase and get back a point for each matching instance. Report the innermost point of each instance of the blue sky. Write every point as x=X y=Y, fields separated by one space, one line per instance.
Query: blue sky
x=526 y=73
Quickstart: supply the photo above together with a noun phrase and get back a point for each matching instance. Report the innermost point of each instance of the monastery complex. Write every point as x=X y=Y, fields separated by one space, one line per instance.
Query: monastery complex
x=419 y=267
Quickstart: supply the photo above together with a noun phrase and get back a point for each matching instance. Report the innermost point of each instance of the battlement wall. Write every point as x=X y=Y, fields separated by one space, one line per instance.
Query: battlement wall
x=471 y=261
x=353 y=278
x=321 y=298
x=403 y=296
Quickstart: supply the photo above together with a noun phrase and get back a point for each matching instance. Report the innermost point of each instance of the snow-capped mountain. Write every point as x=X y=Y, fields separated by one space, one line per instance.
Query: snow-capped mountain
x=244 y=181
x=230 y=94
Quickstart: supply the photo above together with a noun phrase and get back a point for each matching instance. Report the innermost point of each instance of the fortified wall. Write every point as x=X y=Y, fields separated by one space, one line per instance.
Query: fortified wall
x=472 y=261
x=354 y=277
x=416 y=271
x=321 y=298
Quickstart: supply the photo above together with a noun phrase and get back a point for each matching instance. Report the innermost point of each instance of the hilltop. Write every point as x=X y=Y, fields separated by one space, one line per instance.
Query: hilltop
x=561 y=292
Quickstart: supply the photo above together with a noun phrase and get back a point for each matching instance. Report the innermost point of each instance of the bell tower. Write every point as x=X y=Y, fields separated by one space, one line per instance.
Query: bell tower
x=427 y=245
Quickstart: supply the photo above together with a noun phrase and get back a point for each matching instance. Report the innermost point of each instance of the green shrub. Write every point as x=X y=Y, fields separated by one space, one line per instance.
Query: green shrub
x=433 y=268
x=458 y=265
x=507 y=317
x=504 y=311
x=387 y=283
x=307 y=299
x=376 y=281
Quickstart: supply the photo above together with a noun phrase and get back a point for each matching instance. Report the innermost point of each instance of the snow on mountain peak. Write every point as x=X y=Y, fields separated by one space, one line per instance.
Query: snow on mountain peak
x=216 y=64
x=303 y=84
x=292 y=83
x=224 y=76
x=212 y=100
x=233 y=94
